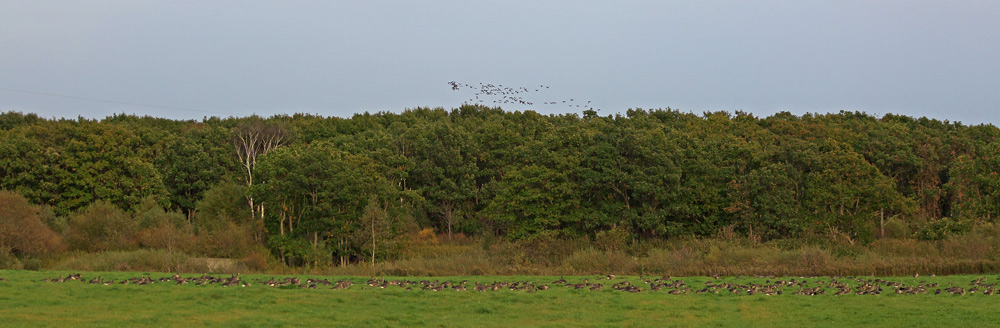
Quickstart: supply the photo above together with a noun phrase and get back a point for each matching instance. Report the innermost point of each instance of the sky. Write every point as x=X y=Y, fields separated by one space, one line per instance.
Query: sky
x=190 y=59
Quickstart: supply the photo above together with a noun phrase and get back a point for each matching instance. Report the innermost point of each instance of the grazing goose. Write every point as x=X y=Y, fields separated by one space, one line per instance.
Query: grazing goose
x=343 y=284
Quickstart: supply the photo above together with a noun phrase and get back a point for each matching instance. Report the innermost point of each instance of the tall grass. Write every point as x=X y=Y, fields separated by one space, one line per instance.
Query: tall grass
x=974 y=252
x=971 y=253
x=138 y=260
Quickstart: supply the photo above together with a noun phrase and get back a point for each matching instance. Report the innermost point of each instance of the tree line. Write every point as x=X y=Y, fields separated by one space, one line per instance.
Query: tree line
x=316 y=188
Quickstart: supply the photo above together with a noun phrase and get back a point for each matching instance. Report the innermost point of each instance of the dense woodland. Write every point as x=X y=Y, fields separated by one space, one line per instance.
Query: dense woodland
x=313 y=189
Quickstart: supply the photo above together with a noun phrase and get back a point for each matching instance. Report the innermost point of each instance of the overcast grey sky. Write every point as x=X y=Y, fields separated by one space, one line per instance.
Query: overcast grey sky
x=336 y=58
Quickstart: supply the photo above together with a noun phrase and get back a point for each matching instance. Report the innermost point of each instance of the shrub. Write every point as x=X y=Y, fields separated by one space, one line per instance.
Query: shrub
x=8 y=261
x=897 y=228
x=728 y=233
x=941 y=228
x=298 y=251
x=508 y=254
x=426 y=237
x=546 y=248
x=102 y=227
x=167 y=236
x=21 y=230
x=225 y=202
x=48 y=216
x=31 y=264
x=612 y=240
x=152 y=215
x=230 y=240
x=257 y=261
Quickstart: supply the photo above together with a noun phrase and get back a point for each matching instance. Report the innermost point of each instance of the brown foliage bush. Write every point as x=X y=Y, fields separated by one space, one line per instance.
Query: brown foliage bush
x=258 y=261
x=427 y=236
x=168 y=237
x=612 y=240
x=21 y=230
x=229 y=240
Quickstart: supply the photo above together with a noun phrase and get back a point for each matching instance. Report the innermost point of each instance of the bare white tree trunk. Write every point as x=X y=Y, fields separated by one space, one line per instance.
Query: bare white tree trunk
x=251 y=141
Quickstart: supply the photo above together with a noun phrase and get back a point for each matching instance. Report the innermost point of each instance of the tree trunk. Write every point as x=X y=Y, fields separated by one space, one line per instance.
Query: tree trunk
x=250 y=200
x=252 y=140
x=881 y=215
x=343 y=261
x=448 y=213
x=284 y=215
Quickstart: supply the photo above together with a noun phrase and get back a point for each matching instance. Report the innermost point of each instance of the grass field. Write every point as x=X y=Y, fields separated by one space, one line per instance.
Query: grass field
x=27 y=301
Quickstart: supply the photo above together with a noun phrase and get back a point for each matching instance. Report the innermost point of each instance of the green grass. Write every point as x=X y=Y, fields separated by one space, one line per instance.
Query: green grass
x=25 y=301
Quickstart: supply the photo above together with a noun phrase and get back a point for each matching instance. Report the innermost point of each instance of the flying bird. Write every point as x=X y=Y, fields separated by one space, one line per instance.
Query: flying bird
x=499 y=94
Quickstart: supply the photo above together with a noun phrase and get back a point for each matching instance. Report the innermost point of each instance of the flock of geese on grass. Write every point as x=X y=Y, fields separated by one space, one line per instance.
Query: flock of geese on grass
x=835 y=285
x=204 y=279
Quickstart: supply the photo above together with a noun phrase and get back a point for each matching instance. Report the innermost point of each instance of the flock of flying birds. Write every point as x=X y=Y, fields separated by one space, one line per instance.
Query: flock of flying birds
x=488 y=93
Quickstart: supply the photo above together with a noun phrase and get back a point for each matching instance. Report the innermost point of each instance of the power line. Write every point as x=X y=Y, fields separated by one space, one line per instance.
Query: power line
x=111 y=101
